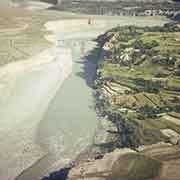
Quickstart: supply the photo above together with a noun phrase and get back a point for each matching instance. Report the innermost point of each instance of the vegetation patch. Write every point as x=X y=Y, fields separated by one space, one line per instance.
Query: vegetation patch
x=144 y=63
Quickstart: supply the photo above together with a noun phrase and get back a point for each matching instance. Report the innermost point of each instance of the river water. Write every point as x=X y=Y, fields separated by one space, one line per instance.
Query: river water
x=69 y=123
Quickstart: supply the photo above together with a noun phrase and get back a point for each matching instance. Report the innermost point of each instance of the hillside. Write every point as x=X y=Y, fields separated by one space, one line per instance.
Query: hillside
x=137 y=92
x=139 y=82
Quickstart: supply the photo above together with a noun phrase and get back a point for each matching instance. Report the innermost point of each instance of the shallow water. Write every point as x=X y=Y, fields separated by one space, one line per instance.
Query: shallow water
x=71 y=118
x=70 y=122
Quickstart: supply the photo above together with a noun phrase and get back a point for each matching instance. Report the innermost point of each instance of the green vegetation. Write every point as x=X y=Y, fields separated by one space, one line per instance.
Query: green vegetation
x=138 y=82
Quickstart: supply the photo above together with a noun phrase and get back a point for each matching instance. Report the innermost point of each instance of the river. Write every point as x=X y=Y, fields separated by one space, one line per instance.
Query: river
x=67 y=123
x=70 y=122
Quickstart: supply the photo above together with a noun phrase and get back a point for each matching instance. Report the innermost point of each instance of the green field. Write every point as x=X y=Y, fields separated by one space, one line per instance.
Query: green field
x=145 y=61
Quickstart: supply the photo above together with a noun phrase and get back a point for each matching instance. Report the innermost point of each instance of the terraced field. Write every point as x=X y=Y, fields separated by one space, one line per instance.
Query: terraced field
x=139 y=81
x=137 y=90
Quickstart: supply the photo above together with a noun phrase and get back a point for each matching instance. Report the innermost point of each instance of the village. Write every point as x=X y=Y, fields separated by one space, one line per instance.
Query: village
x=121 y=8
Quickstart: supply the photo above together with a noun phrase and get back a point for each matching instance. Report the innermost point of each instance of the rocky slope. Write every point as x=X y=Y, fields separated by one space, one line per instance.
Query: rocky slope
x=156 y=162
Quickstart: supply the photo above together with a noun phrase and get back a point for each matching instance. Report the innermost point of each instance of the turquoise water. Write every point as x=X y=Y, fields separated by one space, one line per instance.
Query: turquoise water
x=71 y=120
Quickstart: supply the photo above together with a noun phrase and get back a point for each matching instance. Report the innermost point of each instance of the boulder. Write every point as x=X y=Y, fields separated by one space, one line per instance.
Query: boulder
x=161 y=60
x=106 y=134
x=173 y=136
x=126 y=58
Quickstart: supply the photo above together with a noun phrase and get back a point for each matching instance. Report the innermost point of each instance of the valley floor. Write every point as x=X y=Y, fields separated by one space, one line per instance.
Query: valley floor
x=33 y=67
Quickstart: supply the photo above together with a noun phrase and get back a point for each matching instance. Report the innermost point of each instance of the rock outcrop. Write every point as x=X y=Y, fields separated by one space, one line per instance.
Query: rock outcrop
x=117 y=165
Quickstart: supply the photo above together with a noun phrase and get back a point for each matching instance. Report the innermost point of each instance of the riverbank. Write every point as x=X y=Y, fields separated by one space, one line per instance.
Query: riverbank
x=137 y=127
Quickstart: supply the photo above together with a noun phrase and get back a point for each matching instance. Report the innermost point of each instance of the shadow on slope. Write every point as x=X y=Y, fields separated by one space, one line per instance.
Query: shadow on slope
x=89 y=65
x=58 y=175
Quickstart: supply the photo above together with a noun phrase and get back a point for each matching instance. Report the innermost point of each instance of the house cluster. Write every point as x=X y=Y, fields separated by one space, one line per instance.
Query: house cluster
x=160 y=12
x=121 y=8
